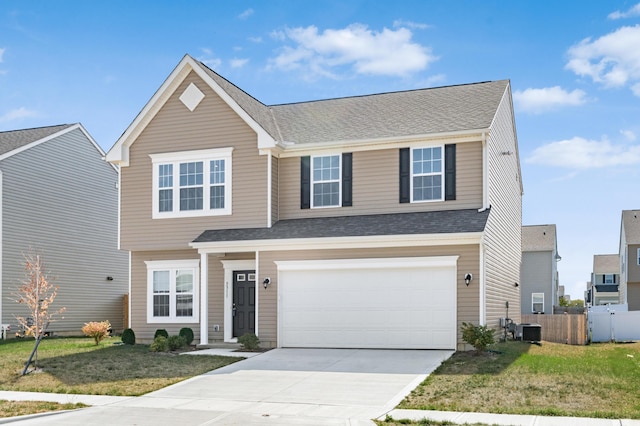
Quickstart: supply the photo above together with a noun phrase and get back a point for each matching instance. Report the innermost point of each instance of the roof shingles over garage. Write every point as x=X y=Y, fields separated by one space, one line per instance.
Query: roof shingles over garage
x=438 y=222
x=18 y=138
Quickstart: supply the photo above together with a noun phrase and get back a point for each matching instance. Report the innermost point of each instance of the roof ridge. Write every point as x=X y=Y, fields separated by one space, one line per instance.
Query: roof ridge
x=37 y=128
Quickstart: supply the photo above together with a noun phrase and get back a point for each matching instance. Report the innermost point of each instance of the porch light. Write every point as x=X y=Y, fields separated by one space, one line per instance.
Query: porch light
x=266 y=282
x=467 y=279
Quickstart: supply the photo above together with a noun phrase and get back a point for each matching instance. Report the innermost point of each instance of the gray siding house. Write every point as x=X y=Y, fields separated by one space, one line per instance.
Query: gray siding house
x=605 y=280
x=60 y=200
x=539 y=287
x=630 y=259
x=376 y=221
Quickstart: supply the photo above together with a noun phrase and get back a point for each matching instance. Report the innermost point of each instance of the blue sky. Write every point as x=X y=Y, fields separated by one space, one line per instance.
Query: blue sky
x=574 y=67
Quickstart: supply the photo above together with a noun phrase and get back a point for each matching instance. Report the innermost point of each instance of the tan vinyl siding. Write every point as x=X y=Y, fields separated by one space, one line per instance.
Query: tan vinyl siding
x=376 y=185
x=468 y=262
x=633 y=268
x=60 y=199
x=503 y=231
x=633 y=301
x=213 y=124
x=138 y=297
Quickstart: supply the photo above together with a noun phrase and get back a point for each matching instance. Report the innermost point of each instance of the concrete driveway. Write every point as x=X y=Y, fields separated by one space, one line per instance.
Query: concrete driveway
x=279 y=387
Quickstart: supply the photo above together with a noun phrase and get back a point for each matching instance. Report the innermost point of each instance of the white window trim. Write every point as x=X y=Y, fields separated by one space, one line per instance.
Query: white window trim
x=175 y=158
x=312 y=181
x=163 y=265
x=604 y=278
x=533 y=295
x=411 y=174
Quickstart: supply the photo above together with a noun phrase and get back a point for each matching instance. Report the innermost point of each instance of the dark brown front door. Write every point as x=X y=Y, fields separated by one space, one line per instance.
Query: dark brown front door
x=244 y=302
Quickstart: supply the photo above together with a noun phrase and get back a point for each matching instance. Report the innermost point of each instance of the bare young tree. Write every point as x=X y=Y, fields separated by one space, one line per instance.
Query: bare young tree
x=37 y=292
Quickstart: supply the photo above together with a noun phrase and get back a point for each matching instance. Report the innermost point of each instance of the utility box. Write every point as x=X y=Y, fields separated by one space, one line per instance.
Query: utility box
x=4 y=331
x=529 y=332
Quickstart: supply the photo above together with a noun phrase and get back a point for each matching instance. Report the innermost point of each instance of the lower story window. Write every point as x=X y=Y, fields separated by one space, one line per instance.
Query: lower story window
x=537 y=302
x=172 y=294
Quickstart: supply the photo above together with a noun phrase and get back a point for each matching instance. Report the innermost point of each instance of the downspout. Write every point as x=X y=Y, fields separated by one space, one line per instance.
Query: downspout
x=269 y=183
x=482 y=285
x=485 y=173
x=204 y=302
x=1 y=241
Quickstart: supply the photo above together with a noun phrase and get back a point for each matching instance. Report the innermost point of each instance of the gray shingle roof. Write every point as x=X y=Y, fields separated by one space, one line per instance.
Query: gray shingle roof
x=539 y=238
x=396 y=114
x=606 y=264
x=15 y=139
x=438 y=222
x=631 y=220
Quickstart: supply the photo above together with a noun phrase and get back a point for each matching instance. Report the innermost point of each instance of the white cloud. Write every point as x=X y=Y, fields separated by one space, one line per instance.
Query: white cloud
x=1 y=54
x=386 y=52
x=581 y=154
x=415 y=25
x=612 y=60
x=633 y=11
x=628 y=135
x=209 y=60
x=238 y=63
x=255 y=39
x=17 y=114
x=548 y=98
x=246 y=14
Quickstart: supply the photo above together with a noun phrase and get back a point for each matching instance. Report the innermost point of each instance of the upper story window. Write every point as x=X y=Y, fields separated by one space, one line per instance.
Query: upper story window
x=608 y=279
x=326 y=184
x=638 y=256
x=172 y=291
x=192 y=183
x=426 y=174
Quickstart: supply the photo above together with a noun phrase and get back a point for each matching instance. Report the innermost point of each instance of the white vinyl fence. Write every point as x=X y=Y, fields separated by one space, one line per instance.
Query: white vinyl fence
x=613 y=323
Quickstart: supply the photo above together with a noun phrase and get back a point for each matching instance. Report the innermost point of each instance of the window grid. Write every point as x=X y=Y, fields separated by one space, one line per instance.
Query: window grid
x=173 y=292
x=537 y=302
x=426 y=172
x=192 y=188
x=326 y=181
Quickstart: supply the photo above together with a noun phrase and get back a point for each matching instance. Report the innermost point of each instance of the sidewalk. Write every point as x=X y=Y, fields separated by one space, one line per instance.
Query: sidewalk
x=506 y=419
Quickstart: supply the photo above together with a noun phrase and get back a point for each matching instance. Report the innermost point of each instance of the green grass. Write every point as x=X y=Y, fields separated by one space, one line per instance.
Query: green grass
x=22 y=408
x=600 y=380
x=78 y=366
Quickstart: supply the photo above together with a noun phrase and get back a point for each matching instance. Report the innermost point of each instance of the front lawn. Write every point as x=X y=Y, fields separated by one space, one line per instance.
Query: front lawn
x=22 y=408
x=78 y=366
x=599 y=380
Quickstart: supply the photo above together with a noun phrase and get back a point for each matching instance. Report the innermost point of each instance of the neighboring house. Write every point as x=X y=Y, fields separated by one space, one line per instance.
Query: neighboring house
x=60 y=200
x=630 y=259
x=348 y=222
x=605 y=280
x=539 y=287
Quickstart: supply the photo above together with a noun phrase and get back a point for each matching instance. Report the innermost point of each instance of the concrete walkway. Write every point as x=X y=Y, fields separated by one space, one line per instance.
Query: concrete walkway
x=285 y=387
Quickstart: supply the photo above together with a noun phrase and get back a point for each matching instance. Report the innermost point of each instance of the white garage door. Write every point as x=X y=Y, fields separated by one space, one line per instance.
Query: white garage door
x=407 y=303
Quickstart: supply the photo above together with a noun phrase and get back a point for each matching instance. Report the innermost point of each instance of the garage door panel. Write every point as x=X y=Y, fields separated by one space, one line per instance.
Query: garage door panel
x=378 y=307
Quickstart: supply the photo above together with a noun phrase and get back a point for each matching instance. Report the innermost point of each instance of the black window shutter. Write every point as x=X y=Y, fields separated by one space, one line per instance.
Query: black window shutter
x=405 y=175
x=347 y=180
x=305 y=182
x=450 y=172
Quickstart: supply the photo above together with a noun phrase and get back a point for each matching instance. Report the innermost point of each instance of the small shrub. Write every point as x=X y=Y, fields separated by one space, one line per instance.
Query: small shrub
x=478 y=336
x=161 y=332
x=176 y=342
x=249 y=341
x=159 y=344
x=187 y=333
x=97 y=330
x=128 y=337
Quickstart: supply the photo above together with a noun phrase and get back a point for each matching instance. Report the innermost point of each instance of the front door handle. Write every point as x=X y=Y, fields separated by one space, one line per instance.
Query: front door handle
x=233 y=310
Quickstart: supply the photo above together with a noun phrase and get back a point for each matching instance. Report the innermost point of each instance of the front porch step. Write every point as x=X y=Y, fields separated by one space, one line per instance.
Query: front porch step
x=220 y=345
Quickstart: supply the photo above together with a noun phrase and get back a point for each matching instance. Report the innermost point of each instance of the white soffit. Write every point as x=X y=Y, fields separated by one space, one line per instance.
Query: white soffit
x=191 y=97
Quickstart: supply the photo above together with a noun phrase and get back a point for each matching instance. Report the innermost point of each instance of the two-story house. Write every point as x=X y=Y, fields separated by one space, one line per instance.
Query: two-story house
x=630 y=259
x=378 y=221
x=540 y=290
x=605 y=280
x=60 y=201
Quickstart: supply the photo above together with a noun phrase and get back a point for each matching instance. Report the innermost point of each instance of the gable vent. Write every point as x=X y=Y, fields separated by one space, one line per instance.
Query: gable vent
x=191 y=97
